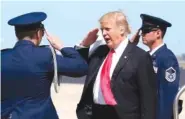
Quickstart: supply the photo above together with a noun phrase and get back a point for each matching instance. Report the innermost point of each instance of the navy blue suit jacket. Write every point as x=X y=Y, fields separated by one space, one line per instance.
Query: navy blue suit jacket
x=168 y=75
x=26 y=75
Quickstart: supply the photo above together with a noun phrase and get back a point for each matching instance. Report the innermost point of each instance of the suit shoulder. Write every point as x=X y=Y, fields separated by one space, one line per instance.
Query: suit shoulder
x=102 y=47
x=101 y=51
x=43 y=48
x=167 y=54
x=7 y=49
x=139 y=55
x=43 y=52
x=139 y=51
x=167 y=58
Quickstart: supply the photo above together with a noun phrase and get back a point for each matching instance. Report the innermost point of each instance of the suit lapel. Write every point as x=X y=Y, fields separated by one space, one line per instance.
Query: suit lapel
x=101 y=55
x=123 y=59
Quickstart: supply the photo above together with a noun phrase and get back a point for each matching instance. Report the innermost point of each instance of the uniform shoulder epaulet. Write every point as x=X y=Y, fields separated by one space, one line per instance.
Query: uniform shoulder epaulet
x=6 y=49
x=44 y=46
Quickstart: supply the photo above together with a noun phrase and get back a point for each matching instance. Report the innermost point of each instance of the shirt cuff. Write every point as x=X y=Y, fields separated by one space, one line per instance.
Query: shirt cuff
x=78 y=46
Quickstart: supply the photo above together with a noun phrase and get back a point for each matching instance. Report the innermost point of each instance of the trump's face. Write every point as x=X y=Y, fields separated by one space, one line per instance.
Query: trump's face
x=111 y=33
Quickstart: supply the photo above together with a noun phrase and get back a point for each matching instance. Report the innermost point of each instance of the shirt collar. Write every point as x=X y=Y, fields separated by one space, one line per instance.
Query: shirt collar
x=121 y=47
x=155 y=49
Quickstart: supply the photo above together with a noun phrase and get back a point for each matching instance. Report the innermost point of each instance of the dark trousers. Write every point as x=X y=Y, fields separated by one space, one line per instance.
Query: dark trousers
x=104 y=112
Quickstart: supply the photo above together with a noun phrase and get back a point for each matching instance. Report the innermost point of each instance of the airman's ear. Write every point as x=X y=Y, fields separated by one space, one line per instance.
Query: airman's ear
x=39 y=33
x=159 y=33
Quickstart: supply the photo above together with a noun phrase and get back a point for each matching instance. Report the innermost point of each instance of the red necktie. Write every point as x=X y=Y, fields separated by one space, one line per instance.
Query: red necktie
x=105 y=80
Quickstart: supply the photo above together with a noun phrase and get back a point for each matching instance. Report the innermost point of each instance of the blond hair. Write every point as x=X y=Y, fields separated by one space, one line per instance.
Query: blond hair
x=119 y=17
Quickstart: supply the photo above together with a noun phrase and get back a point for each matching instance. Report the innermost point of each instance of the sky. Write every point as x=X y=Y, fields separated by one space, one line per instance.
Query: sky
x=71 y=20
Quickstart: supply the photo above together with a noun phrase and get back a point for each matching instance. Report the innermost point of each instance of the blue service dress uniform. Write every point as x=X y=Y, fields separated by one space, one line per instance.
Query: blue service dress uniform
x=168 y=75
x=26 y=77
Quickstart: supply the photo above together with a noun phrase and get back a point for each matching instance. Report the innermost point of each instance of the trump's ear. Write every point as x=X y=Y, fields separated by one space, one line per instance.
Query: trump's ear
x=122 y=30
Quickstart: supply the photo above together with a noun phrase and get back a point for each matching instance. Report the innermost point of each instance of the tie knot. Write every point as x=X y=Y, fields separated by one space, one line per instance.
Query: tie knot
x=112 y=51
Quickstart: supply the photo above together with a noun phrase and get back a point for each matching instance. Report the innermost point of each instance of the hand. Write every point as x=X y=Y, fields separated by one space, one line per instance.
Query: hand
x=90 y=38
x=135 y=38
x=54 y=41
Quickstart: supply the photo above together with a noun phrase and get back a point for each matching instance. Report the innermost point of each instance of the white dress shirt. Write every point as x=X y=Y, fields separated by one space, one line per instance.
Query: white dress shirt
x=155 y=49
x=97 y=93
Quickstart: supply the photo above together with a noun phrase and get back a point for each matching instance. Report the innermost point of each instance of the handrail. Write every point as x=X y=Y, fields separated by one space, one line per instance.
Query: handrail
x=175 y=104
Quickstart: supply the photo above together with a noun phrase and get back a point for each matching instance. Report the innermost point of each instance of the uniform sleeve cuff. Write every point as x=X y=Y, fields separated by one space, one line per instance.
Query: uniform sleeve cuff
x=78 y=46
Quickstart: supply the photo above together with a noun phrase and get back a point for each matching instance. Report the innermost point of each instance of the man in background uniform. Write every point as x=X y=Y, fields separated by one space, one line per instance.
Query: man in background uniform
x=27 y=70
x=164 y=62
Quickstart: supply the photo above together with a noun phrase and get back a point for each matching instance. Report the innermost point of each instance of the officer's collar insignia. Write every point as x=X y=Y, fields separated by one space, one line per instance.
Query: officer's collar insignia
x=170 y=74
